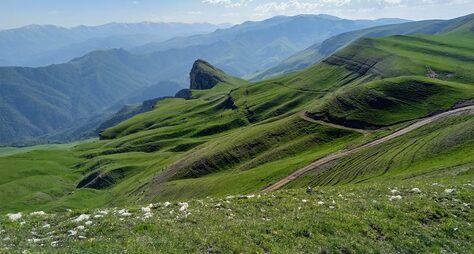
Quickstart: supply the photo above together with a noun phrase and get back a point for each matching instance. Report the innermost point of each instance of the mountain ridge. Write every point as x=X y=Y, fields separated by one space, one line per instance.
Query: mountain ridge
x=40 y=45
x=319 y=51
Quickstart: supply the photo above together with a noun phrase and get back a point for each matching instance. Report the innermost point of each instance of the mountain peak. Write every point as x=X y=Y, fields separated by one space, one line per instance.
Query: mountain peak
x=205 y=76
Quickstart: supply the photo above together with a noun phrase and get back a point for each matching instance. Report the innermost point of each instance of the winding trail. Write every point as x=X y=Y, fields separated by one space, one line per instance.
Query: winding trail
x=419 y=123
x=309 y=119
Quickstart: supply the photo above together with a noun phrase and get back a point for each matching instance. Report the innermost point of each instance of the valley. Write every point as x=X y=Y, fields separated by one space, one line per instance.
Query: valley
x=181 y=148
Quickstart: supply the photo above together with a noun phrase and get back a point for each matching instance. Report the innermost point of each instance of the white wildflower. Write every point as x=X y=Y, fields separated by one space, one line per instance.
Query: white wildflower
x=82 y=237
x=103 y=212
x=166 y=204
x=332 y=207
x=147 y=215
x=54 y=243
x=46 y=225
x=183 y=206
x=304 y=201
x=394 y=198
x=80 y=227
x=14 y=216
x=415 y=190
x=320 y=203
x=72 y=232
x=39 y=213
x=124 y=213
x=81 y=217
x=98 y=216
x=34 y=240
x=449 y=191
x=88 y=223
x=394 y=192
x=146 y=209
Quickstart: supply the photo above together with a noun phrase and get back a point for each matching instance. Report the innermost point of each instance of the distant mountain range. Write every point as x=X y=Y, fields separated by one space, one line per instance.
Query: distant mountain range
x=40 y=45
x=320 y=50
x=251 y=46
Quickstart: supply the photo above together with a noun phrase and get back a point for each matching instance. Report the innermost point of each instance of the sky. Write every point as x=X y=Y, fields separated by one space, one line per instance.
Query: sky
x=68 y=13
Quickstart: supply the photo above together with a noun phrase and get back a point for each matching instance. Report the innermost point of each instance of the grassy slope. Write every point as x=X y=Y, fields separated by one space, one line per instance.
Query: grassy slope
x=239 y=137
x=351 y=219
x=443 y=147
x=392 y=100
x=27 y=182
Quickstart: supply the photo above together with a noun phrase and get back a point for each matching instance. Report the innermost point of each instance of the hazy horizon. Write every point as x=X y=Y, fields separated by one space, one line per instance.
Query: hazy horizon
x=68 y=14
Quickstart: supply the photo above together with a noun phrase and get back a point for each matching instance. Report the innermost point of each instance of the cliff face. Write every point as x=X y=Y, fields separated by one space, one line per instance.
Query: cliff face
x=205 y=76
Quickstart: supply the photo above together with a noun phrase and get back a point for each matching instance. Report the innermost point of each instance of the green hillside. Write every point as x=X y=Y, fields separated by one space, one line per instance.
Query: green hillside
x=319 y=51
x=39 y=101
x=63 y=102
x=238 y=137
x=443 y=148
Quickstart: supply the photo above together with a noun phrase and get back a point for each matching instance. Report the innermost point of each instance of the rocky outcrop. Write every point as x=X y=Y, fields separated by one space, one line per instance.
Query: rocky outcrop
x=184 y=94
x=205 y=76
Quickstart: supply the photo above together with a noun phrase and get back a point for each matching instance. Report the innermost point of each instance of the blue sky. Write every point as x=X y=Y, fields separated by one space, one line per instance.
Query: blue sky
x=15 y=13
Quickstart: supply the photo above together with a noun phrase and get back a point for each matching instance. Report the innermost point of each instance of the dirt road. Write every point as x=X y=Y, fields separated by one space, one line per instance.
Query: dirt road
x=331 y=157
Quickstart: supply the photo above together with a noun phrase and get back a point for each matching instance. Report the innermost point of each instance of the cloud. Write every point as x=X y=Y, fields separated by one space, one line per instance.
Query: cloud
x=229 y=3
x=311 y=6
x=292 y=6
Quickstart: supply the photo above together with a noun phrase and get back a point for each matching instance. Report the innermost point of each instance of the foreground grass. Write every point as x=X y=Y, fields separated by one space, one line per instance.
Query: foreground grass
x=351 y=218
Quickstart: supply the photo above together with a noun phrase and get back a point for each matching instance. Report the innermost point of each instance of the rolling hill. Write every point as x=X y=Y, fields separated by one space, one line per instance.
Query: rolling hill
x=234 y=137
x=63 y=102
x=321 y=50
